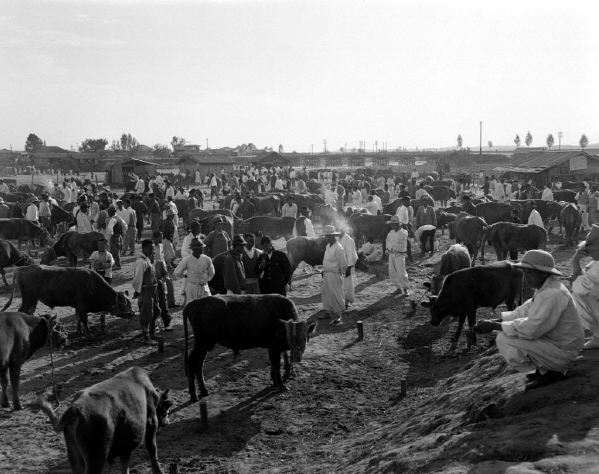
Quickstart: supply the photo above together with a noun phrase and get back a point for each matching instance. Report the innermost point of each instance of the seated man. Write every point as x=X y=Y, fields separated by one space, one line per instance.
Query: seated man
x=369 y=251
x=544 y=333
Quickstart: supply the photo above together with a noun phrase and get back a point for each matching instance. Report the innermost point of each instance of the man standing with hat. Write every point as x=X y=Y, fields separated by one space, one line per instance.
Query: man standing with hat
x=249 y=258
x=545 y=333
x=397 y=245
x=233 y=271
x=145 y=290
x=45 y=212
x=290 y=209
x=32 y=210
x=115 y=228
x=154 y=210
x=585 y=286
x=197 y=270
x=334 y=267
x=351 y=256
x=273 y=269
x=427 y=219
x=166 y=290
x=83 y=220
x=168 y=231
x=102 y=261
x=535 y=217
x=218 y=240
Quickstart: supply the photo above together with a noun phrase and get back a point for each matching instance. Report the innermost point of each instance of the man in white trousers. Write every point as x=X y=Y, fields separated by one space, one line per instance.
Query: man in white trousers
x=397 y=245
x=198 y=271
x=351 y=255
x=334 y=266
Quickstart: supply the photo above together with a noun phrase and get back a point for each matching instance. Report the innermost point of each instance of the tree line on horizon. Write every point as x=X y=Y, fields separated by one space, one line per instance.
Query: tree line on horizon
x=583 y=142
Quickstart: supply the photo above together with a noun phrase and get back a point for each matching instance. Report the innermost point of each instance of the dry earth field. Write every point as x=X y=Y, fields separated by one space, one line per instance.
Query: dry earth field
x=463 y=413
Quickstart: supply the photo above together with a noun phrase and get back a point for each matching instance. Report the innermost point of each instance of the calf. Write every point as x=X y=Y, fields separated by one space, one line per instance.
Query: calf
x=72 y=245
x=79 y=288
x=443 y=219
x=470 y=230
x=455 y=258
x=364 y=226
x=110 y=419
x=10 y=255
x=311 y=251
x=508 y=237
x=22 y=230
x=20 y=336
x=244 y=322
x=571 y=219
x=466 y=290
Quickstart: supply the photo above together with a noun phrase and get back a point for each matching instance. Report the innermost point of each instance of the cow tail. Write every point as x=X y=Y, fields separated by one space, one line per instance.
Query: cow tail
x=58 y=424
x=14 y=286
x=544 y=241
x=186 y=332
x=481 y=245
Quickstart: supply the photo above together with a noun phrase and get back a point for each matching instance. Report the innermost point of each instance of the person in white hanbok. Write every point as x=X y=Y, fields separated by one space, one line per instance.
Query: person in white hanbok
x=351 y=256
x=545 y=333
x=585 y=286
x=334 y=267
x=198 y=270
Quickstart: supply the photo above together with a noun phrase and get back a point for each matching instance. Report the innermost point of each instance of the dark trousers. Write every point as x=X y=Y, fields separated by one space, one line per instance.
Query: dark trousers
x=409 y=251
x=116 y=244
x=164 y=314
x=140 y=228
x=430 y=236
x=514 y=255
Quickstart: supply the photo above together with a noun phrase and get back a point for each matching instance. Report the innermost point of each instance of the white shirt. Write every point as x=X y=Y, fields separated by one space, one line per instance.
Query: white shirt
x=186 y=243
x=140 y=186
x=199 y=270
x=334 y=259
x=547 y=195
x=101 y=258
x=349 y=246
x=378 y=201
x=403 y=214
x=415 y=174
x=169 y=192
x=356 y=198
x=287 y=211
x=535 y=219
x=84 y=224
x=213 y=181
x=309 y=228
x=67 y=193
x=367 y=248
x=397 y=241
x=372 y=207
x=32 y=213
x=550 y=315
x=330 y=197
x=127 y=214
x=498 y=193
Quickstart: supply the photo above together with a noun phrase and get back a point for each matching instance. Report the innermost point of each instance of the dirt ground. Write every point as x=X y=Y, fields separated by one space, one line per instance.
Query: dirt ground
x=464 y=412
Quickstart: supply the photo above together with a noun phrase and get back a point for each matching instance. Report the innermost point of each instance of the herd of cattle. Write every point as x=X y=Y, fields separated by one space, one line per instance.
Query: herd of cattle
x=236 y=322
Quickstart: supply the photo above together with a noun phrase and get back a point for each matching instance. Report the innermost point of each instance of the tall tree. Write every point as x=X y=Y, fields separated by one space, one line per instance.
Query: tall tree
x=161 y=151
x=115 y=145
x=550 y=141
x=460 y=141
x=584 y=141
x=93 y=145
x=33 y=142
x=176 y=142
x=128 y=142
x=517 y=140
x=281 y=150
x=528 y=139
x=490 y=143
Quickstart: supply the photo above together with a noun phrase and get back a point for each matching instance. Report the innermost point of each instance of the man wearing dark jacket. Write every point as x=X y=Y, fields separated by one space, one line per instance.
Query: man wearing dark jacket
x=274 y=269
x=233 y=272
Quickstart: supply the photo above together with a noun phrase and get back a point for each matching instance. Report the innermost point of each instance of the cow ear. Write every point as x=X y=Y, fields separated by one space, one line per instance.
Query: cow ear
x=127 y=292
x=427 y=304
x=312 y=328
x=283 y=322
x=164 y=394
x=427 y=284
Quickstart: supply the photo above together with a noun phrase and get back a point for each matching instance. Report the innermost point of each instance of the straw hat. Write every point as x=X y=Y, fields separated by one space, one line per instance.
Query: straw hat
x=592 y=240
x=32 y=200
x=394 y=220
x=539 y=260
x=330 y=230
x=238 y=240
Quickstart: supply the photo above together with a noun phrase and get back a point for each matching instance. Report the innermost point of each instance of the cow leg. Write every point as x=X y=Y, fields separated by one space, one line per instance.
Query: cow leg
x=76 y=459
x=103 y=322
x=125 y=459
x=4 y=276
x=275 y=370
x=15 y=370
x=471 y=340
x=82 y=320
x=151 y=429
x=195 y=370
x=456 y=336
x=286 y=366
x=4 y=384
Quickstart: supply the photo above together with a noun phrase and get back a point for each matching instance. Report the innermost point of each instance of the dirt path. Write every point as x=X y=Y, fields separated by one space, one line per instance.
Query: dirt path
x=344 y=412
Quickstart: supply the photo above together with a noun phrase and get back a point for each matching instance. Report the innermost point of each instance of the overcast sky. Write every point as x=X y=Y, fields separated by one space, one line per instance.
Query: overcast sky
x=408 y=73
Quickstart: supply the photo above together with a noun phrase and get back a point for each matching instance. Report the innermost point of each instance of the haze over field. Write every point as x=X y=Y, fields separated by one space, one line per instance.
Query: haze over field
x=404 y=73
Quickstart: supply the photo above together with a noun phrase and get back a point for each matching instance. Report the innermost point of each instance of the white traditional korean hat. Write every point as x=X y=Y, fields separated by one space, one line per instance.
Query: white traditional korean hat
x=330 y=230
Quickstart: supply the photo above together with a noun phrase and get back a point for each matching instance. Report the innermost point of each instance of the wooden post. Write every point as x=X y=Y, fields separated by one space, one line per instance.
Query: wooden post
x=174 y=468
x=360 y=326
x=204 y=412
x=404 y=389
x=161 y=345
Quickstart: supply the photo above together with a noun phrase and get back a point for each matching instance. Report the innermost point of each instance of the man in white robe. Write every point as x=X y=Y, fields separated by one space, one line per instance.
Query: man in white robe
x=198 y=270
x=351 y=256
x=397 y=245
x=545 y=333
x=334 y=266
x=585 y=286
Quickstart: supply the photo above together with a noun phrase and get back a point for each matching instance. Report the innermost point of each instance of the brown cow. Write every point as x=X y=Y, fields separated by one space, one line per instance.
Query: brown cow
x=364 y=226
x=572 y=221
x=72 y=245
x=493 y=212
x=470 y=230
x=441 y=193
x=23 y=230
x=20 y=336
x=508 y=237
x=110 y=419
x=274 y=227
x=10 y=255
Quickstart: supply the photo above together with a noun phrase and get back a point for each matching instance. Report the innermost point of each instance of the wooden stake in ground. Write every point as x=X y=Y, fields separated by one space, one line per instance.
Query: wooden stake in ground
x=204 y=412
x=360 y=326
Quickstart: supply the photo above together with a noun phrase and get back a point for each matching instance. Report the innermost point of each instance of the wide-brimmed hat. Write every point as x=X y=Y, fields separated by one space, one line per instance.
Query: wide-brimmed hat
x=238 y=240
x=44 y=195
x=219 y=220
x=394 y=220
x=32 y=200
x=102 y=239
x=592 y=240
x=330 y=230
x=538 y=260
x=425 y=196
x=196 y=244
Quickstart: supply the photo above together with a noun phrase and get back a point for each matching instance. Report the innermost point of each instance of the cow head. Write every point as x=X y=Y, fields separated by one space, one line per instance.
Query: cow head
x=44 y=236
x=163 y=409
x=435 y=320
x=297 y=334
x=53 y=333
x=122 y=306
x=362 y=263
x=24 y=261
x=48 y=256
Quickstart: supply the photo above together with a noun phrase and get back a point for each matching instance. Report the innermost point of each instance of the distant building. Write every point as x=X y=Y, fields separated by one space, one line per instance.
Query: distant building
x=120 y=171
x=532 y=149
x=206 y=164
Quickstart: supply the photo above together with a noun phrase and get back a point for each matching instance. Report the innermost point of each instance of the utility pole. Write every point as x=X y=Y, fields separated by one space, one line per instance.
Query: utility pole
x=560 y=135
x=376 y=146
x=206 y=144
x=312 y=147
x=325 y=145
x=480 y=150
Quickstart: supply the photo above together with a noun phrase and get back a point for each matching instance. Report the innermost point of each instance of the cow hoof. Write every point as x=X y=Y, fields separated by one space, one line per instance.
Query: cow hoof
x=5 y=405
x=193 y=398
x=17 y=406
x=204 y=393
